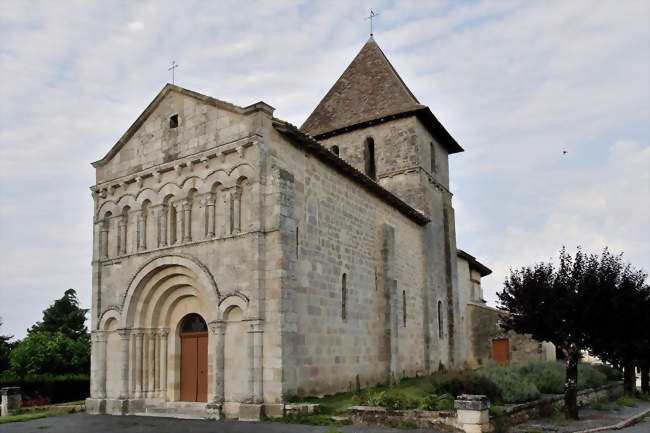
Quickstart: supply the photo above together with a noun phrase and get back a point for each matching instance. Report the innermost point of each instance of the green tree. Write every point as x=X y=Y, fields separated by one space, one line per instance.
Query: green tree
x=559 y=305
x=5 y=350
x=621 y=303
x=59 y=344
x=53 y=353
x=64 y=316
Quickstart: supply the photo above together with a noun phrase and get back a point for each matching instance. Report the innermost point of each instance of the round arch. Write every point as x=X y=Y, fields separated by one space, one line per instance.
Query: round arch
x=140 y=296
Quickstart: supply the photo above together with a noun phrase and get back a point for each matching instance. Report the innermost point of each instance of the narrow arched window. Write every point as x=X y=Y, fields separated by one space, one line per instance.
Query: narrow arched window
x=440 y=319
x=297 y=244
x=344 y=296
x=404 y=307
x=335 y=150
x=432 y=148
x=369 y=157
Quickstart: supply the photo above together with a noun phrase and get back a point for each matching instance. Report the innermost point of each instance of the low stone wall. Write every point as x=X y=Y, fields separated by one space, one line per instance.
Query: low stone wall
x=519 y=413
x=424 y=419
x=66 y=408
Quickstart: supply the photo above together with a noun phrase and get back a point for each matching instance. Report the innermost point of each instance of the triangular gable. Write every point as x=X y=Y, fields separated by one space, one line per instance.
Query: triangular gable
x=153 y=106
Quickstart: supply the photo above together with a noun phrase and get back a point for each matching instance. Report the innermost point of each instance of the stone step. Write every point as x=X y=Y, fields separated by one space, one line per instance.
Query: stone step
x=180 y=409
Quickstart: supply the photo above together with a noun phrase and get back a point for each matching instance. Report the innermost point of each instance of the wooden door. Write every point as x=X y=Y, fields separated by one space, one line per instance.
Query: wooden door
x=501 y=351
x=194 y=366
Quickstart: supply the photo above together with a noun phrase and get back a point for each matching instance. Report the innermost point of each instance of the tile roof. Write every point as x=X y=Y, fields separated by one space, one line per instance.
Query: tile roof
x=369 y=88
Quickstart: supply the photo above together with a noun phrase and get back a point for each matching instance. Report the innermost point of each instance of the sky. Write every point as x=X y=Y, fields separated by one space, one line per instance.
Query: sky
x=517 y=83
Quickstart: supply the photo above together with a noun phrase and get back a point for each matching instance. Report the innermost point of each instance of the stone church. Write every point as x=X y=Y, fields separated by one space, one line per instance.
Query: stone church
x=239 y=261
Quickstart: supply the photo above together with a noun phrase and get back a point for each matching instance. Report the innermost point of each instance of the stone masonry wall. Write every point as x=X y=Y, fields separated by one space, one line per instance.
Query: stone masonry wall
x=339 y=233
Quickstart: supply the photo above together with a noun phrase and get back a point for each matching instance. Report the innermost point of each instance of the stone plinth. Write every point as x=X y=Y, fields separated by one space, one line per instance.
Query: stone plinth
x=214 y=411
x=95 y=406
x=473 y=413
x=11 y=399
x=250 y=412
x=274 y=410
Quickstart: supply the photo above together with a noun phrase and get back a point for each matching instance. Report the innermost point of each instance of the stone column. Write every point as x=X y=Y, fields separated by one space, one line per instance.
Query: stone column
x=227 y=210
x=132 y=364
x=251 y=363
x=142 y=230
x=210 y=209
x=257 y=329
x=180 y=222
x=219 y=331
x=156 y=361
x=138 y=364
x=124 y=363
x=151 y=364
x=122 y=242
x=236 y=209
x=10 y=398
x=103 y=240
x=187 y=217
x=98 y=371
x=162 y=226
x=163 y=364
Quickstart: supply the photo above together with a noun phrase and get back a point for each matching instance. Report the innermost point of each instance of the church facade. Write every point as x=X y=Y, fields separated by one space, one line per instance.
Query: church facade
x=239 y=260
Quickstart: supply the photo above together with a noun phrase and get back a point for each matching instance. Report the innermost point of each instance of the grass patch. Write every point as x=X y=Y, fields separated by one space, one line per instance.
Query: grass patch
x=623 y=401
x=71 y=403
x=601 y=405
x=532 y=430
x=311 y=419
x=30 y=416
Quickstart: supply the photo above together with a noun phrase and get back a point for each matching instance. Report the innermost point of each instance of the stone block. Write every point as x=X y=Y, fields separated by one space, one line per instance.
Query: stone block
x=475 y=428
x=95 y=406
x=214 y=411
x=136 y=405
x=10 y=399
x=116 y=406
x=274 y=410
x=250 y=412
x=472 y=402
x=473 y=416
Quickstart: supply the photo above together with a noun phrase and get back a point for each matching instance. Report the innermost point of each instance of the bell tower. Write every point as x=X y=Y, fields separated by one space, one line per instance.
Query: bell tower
x=371 y=119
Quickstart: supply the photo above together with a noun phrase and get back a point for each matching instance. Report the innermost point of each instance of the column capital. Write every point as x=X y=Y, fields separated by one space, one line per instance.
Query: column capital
x=217 y=327
x=124 y=333
x=255 y=325
x=163 y=332
x=98 y=336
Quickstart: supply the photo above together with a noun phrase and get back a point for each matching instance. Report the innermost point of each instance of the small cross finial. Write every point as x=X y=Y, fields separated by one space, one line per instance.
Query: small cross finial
x=172 y=67
x=370 y=17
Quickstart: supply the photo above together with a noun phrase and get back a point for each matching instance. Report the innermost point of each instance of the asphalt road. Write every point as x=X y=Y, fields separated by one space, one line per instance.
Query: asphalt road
x=84 y=423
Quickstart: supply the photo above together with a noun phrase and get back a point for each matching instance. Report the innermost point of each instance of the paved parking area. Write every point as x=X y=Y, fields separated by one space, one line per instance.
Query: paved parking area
x=84 y=423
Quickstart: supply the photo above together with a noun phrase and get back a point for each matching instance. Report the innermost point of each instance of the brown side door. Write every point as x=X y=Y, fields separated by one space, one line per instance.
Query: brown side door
x=194 y=366
x=501 y=351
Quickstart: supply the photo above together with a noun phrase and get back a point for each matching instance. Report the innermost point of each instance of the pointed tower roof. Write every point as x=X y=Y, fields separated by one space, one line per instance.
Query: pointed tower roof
x=370 y=89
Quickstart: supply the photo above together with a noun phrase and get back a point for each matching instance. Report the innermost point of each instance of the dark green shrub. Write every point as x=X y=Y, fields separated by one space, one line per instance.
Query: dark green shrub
x=590 y=377
x=57 y=389
x=514 y=387
x=391 y=399
x=456 y=383
x=548 y=376
x=611 y=373
x=437 y=402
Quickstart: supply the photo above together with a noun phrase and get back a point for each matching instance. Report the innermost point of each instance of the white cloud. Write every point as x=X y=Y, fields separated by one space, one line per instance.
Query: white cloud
x=515 y=82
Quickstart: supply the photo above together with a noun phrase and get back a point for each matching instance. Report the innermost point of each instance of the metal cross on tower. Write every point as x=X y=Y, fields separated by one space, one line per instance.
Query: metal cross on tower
x=372 y=15
x=172 y=67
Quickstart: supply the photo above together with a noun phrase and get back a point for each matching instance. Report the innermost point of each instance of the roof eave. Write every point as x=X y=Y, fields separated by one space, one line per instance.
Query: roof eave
x=315 y=148
x=475 y=264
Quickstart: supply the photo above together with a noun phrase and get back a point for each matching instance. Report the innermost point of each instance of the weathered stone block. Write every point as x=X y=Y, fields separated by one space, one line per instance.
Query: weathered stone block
x=250 y=412
x=136 y=405
x=115 y=406
x=11 y=399
x=472 y=402
x=473 y=416
x=274 y=410
x=95 y=406
x=214 y=411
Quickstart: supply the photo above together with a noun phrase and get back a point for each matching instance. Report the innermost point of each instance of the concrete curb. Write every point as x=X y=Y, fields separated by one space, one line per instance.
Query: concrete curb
x=620 y=425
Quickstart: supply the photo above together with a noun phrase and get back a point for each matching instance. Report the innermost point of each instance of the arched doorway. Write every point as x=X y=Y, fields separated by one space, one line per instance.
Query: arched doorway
x=194 y=358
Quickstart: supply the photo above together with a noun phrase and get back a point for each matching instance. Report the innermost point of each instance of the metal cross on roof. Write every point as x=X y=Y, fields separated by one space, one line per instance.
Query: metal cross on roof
x=172 y=67
x=372 y=15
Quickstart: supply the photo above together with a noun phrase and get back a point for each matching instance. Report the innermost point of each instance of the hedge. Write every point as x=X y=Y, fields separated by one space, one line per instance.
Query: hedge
x=57 y=389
